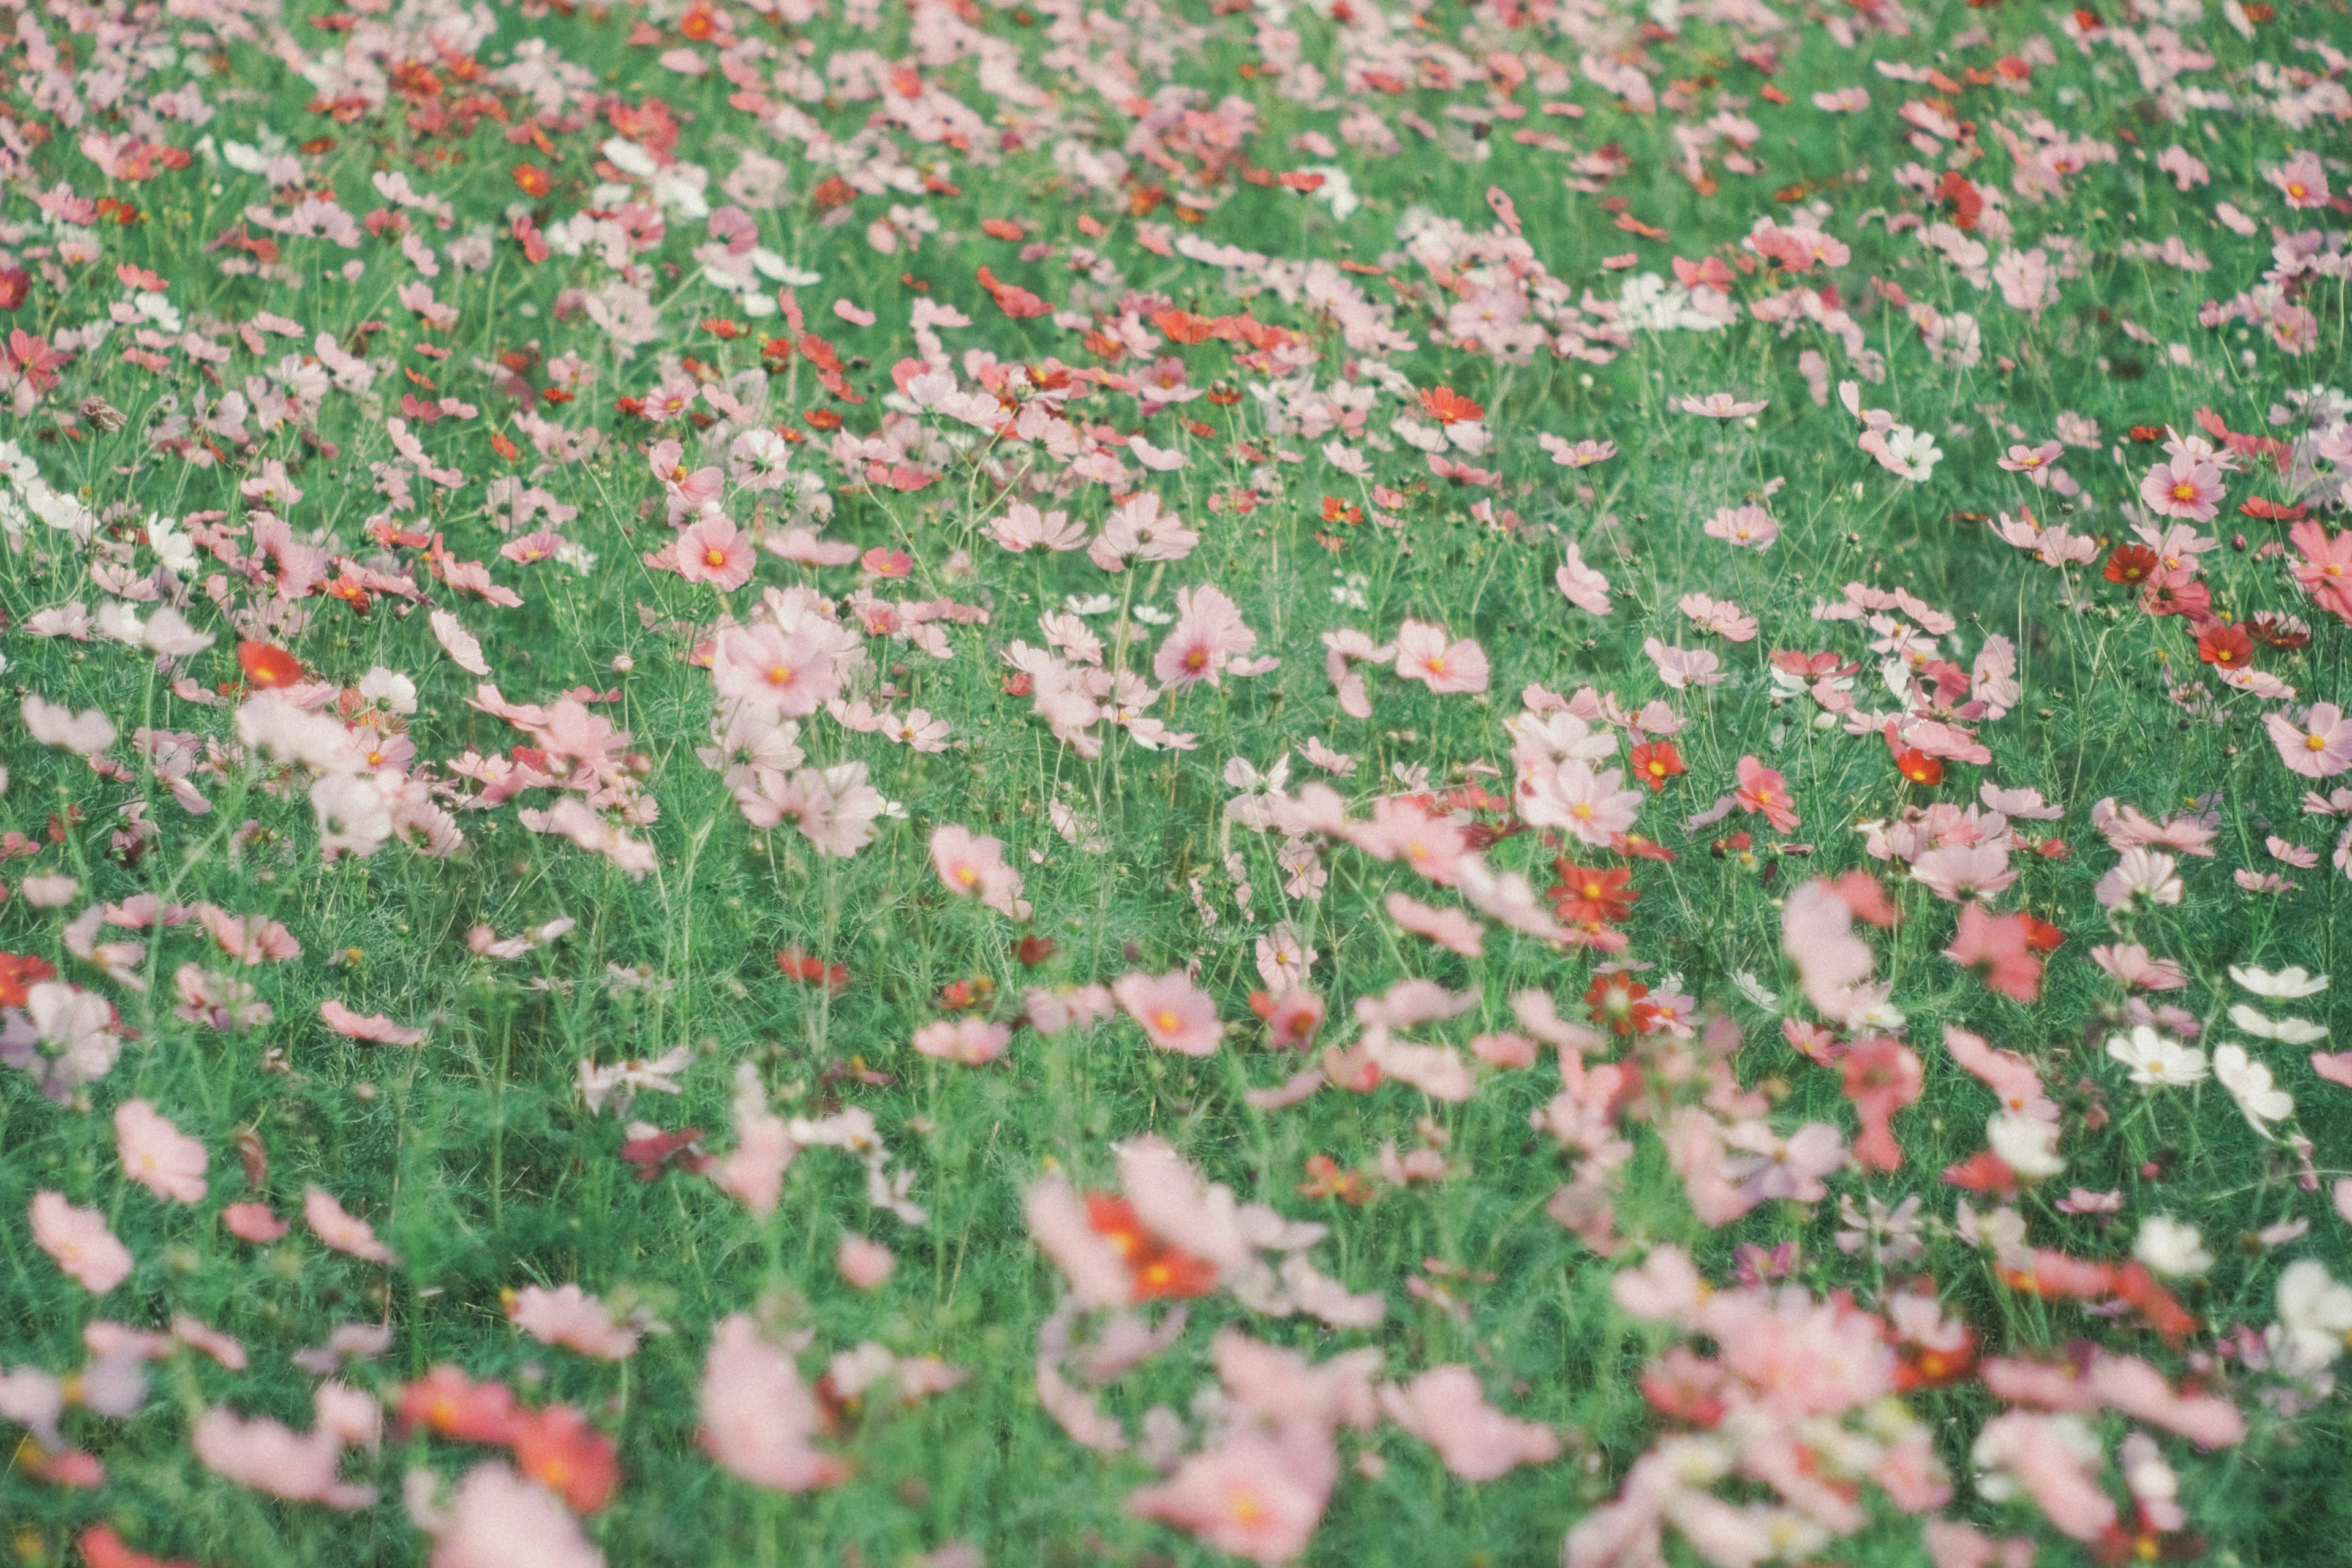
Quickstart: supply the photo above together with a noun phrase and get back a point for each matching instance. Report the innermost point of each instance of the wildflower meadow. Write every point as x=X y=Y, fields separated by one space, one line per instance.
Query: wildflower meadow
x=923 y=784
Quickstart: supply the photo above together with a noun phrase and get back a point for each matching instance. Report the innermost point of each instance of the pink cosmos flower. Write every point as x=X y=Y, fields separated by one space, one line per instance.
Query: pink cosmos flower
x=340 y=1230
x=2007 y=1074
x=1584 y=586
x=1995 y=946
x=1749 y=527
x=1255 y=1496
x=253 y=1223
x=1579 y=455
x=1956 y=871
x=1422 y=654
x=1448 y=929
x=974 y=1042
x=716 y=551
x=1207 y=636
x=1446 y=1408
x=1763 y=789
x=1024 y=527
x=570 y=1316
x=79 y=1240
x=2183 y=487
x=158 y=1155
x=1778 y=1166
x=759 y=1417
x=373 y=1026
x=498 y=1520
x=785 y=673
x=1175 y=1015
x=1719 y=405
x=864 y=1263
x=972 y=866
x=2301 y=180
x=1682 y=667
x=1568 y=794
x=271 y=1457
x=1721 y=616
x=2319 y=747
x=1882 y=1076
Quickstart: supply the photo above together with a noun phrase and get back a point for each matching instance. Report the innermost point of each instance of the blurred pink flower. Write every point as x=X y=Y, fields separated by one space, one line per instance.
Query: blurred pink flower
x=79 y=1241
x=759 y=1416
x=158 y=1155
x=340 y=1230
x=1445 y=1408
x=1175 y=1015
x=570 y=1316
x=864 y=1263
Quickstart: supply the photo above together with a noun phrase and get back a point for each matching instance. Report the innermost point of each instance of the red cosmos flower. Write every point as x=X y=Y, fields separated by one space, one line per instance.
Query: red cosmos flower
x=1617 y=1005
x=101 y=1548
x=445 y=1400
x=1337 y=511
x=1918 y=766
x=559 y=1449
x=1594 y=897
x=2130 y=563
x=1448 y=406
x=1161 y=1272
x=798 y=966
x=2225 y=646
x=18 y=974
x=267 y=667
x=651 y=1156
x=1655 y=762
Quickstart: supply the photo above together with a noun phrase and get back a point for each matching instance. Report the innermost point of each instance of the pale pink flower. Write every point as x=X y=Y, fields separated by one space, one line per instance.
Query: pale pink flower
x=1579 y=455
x=1568 y=794
x=1719 y=406
x=2010 y=1075
x=1774 y=1166
x=498 y=1520
x=158 y=1155
x=1175 y=1015
x=79 y=1240
x=1956 y=871
x=570 y=1316
x=2301 y=180
x=1446 y=1408
x=1422 y=654
x=269 y=1457
x=1721 y=616
x=2054 y=1460
x=716 y=551
x=1448 y=928
x=1584 y=587
x=759 y=1417
x=63 y=1037
x=1024 y=527
x=974 y=1042
x=972 y=866
x=373 y=1026
x=1207 y=636
x=1682 y=667
x=2140 y=873
x=864 y=1263
x=2319 y=746
x=1750 y=527
x=1253 y=1495
x=331 y=1224
x=253 y=1223
x=781 y=672
x=2184 y=487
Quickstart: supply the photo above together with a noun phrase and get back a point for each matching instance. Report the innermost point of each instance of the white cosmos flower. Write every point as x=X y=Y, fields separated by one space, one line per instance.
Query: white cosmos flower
x=2157 y=1061
x=2170 y=1248
x=2249 y=1083
x=2283 y=985
x=2293 y=1031
x=2026 y=1144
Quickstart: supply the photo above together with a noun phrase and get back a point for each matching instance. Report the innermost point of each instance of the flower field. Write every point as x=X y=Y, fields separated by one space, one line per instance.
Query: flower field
x=1354 y=782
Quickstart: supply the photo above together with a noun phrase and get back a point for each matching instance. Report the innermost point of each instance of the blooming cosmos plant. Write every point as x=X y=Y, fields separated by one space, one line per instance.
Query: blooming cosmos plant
x=962 y=784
